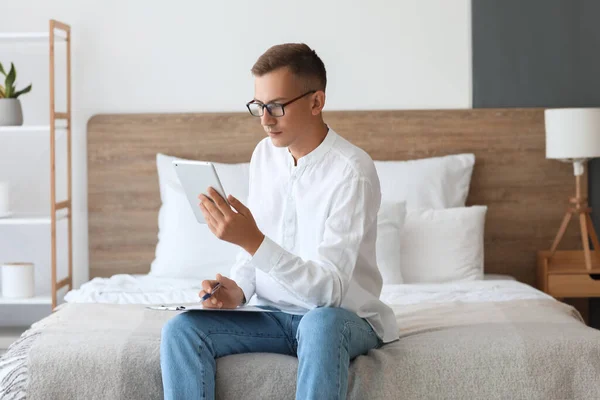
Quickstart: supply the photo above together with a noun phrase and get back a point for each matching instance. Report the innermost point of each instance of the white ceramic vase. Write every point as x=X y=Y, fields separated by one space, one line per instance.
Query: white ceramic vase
x=11 y=113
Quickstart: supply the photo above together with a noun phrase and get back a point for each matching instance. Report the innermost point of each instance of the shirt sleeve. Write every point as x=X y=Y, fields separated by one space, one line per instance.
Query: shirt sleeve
x=324 y=282
x=244 y=274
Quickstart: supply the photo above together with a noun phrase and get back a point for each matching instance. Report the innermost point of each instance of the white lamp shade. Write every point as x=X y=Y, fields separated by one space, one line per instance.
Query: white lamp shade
x=572 y=133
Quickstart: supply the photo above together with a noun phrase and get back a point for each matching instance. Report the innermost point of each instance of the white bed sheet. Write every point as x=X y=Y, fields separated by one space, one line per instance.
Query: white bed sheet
x=147 y=289
x=467 y=292
x=136 y=289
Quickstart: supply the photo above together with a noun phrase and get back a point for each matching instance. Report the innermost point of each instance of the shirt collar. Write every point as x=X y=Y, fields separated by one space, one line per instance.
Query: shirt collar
x=317 y=153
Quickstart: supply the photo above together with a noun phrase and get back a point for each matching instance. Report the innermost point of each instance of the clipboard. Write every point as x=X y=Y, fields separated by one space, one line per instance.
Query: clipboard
x=200 y=307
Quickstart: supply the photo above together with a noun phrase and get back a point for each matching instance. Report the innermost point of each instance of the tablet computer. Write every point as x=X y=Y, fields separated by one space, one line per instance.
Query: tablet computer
x=195 y=178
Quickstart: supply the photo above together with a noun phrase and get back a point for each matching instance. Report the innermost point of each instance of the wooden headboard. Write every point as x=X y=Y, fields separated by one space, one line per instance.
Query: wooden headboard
x=524 y=192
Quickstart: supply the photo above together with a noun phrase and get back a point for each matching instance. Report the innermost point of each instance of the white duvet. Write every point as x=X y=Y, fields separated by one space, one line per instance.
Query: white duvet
x=147 y=289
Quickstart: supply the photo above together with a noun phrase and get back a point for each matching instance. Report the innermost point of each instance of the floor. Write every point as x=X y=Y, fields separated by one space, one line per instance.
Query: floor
x=8 y=335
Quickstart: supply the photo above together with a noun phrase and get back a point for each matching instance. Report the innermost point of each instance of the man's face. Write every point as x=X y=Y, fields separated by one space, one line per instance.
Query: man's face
x=281 y=86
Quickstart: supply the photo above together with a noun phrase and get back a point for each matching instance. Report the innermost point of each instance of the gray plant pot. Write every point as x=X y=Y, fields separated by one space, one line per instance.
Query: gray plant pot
x=11 y=113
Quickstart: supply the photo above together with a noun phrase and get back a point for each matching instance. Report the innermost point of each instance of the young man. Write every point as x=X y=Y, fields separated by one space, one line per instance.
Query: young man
x=308 y=238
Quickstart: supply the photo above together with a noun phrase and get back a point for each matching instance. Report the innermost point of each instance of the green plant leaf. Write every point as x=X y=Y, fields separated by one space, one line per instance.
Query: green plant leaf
x=2 y=70
x=20 y=92
x=12 y=73
x=1 y=92
x=9 y=82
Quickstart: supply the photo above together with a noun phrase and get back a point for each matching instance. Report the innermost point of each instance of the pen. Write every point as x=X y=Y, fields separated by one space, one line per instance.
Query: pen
x=208 y=295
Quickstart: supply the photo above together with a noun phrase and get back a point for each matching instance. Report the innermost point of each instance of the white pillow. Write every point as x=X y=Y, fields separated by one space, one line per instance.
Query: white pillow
x=186 y=248
x=440 y=246
x=437 y=182
x=390 y=222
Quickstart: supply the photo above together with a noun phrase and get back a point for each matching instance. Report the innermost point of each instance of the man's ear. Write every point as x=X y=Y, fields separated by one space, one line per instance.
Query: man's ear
x=318 y=102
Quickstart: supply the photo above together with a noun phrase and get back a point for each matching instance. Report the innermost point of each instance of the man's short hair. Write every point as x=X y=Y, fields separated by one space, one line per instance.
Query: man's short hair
x=299 y=58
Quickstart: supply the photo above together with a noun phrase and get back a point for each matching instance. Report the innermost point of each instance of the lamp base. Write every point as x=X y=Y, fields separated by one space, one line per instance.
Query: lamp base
x=586 y=225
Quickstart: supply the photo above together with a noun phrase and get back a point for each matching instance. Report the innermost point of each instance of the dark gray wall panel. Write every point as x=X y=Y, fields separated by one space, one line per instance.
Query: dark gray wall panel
x=532 y=53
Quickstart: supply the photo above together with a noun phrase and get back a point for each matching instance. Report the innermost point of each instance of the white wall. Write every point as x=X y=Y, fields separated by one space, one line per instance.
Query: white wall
x=158 y=56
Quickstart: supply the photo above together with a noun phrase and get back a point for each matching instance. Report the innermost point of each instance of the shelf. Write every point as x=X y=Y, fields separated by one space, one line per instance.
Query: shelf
x=29 y=128
x=28 y=301
x=32 y=218
x=9 y=335
x=30 y=37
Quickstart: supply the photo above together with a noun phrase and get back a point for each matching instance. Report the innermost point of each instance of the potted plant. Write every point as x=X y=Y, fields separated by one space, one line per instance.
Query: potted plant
x=10 y=106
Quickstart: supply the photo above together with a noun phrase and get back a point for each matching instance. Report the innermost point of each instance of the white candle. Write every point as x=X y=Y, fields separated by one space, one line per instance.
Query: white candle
x=17 y=280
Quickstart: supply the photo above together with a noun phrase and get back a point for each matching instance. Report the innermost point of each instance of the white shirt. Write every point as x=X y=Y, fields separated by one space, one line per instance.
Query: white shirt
x=319 y=219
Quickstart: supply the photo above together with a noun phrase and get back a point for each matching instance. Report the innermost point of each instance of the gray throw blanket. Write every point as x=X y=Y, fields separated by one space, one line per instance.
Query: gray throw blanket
x=520 y=349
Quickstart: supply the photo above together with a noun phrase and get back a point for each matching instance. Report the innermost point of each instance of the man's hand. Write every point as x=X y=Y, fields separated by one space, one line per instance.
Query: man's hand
x=229 y=295
x=234 y=227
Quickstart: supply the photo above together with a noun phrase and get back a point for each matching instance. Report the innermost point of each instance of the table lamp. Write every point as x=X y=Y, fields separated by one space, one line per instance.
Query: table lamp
x=573 y=135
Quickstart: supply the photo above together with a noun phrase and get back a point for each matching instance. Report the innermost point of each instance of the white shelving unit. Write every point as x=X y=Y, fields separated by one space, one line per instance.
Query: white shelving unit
x=32 y=37
x=27 y=301
x=60 y=122
x=31 y=128
x=31 y=219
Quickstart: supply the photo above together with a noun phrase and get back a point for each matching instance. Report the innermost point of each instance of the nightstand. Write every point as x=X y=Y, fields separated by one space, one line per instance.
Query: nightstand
x=566 y=275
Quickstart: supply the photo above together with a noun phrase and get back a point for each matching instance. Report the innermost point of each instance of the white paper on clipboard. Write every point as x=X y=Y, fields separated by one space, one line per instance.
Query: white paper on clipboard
x=199 y=307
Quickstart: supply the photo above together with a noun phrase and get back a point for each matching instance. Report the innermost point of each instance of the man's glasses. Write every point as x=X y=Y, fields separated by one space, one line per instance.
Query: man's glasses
x=257 y=108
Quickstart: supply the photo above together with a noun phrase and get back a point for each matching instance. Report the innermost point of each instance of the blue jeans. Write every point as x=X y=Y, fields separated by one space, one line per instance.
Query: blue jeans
x=324 y=340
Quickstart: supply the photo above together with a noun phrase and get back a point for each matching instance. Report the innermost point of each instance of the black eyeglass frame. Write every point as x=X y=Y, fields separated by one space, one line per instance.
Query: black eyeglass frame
x=269 y=105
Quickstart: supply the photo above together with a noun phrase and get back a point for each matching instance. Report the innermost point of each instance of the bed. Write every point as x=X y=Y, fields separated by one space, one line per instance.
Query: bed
x=497 y=337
